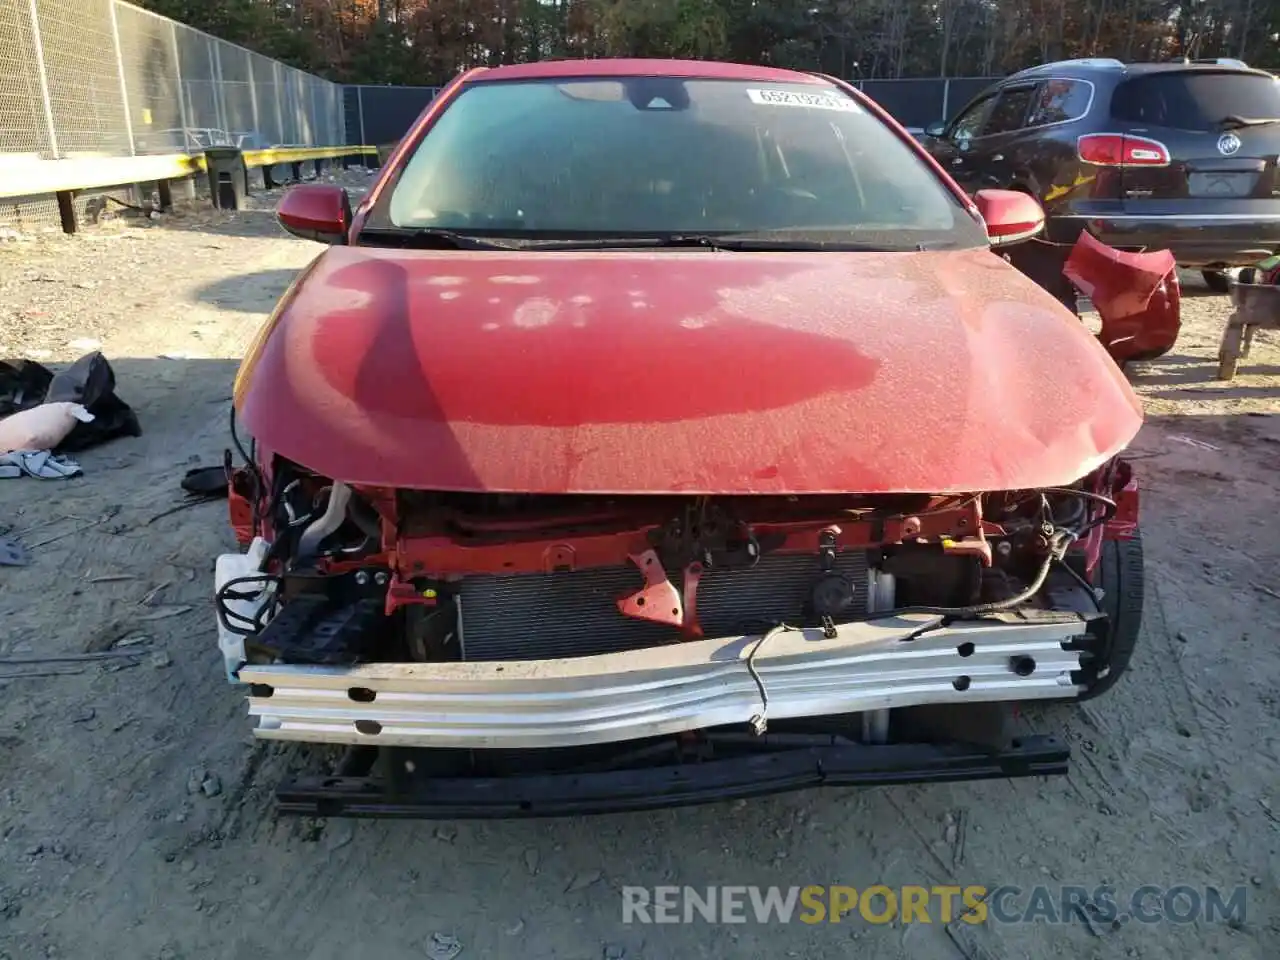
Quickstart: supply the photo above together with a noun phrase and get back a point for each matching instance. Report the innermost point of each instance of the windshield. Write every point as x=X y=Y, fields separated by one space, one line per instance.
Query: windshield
x=642 y=156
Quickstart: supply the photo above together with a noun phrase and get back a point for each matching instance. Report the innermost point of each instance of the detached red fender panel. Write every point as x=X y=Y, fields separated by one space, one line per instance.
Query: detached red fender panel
x=1136 y=295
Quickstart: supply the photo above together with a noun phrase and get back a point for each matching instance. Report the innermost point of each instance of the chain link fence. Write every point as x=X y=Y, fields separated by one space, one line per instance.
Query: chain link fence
x=86 y=77
x=918 y=102
x=381 y=114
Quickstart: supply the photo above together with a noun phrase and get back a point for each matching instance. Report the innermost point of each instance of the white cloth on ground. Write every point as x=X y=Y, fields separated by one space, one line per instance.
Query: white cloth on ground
x=41 y=464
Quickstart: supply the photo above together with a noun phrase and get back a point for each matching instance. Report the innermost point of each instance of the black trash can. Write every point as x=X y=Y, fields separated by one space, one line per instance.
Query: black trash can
x=228 y=177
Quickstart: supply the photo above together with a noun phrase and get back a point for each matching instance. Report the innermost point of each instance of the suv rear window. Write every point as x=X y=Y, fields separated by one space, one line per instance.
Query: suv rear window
x=1196 y=100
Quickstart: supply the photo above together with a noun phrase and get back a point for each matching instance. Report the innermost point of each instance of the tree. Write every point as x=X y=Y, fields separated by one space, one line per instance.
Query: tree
x=429 y=41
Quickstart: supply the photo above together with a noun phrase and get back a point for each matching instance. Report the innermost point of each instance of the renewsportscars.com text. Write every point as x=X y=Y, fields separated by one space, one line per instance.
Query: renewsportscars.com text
x=880 y=904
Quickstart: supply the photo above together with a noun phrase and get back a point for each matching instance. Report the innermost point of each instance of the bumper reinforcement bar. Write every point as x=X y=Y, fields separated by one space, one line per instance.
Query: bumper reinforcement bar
x=882 y=664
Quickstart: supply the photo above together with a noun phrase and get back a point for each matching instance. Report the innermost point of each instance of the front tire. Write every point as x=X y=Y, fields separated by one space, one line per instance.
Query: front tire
x=1120 y=575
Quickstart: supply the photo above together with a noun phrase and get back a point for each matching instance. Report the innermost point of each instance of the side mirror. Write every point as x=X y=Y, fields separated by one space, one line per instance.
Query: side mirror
x=1010 y=216
x=316 y=211
x=936 y=129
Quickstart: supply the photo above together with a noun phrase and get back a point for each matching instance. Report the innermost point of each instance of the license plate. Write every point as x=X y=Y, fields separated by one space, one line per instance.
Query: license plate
x=1221 y=184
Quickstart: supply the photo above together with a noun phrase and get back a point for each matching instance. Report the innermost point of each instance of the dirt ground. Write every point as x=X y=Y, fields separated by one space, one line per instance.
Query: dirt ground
x=135 y=809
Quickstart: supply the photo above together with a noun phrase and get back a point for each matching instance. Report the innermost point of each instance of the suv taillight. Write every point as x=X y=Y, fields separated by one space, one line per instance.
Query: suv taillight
x=1121 y=150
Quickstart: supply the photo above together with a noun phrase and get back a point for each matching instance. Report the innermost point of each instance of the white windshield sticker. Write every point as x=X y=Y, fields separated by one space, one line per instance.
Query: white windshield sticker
x=790 y=98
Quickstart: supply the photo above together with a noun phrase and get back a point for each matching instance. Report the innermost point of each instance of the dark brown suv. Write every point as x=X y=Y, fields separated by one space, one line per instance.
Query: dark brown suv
x=1180 y=155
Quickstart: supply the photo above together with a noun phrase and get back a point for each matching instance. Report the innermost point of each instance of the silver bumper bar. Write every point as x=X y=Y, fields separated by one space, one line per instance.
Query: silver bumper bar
x=661 y=690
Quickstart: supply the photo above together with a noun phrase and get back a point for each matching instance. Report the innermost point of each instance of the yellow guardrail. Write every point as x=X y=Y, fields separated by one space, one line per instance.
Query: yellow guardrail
x=27 y=175
x=273 y=155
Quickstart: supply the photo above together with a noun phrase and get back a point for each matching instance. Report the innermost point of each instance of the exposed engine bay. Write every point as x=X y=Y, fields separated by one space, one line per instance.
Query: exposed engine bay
x=348 y=575
x=498 y=654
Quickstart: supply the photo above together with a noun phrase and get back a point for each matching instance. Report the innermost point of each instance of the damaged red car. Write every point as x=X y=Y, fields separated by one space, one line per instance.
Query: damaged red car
x=657 y=432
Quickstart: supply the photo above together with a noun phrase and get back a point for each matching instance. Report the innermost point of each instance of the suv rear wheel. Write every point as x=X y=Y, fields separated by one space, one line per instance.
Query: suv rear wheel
x=1216 y=280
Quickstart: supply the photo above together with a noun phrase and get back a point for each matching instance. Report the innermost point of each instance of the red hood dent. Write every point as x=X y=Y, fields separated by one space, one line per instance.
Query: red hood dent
x=682 y=372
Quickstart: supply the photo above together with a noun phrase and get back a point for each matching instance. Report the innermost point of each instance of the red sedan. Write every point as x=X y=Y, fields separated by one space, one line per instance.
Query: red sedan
x=657 y=432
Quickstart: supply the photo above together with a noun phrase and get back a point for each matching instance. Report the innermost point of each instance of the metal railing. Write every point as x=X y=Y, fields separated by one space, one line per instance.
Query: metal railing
x=106 y=77
x=227 y=169
x=92 y=90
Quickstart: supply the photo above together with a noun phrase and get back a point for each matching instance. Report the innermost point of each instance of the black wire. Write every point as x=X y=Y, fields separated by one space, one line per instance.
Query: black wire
x=1109 y=506
x=259 y=484
x=1087 y=495
x=279 y=480
x=760 y=721
x=226 y=614
x=1088 y=587
x=227 y=592
x=235 y=437
x=1057 y=548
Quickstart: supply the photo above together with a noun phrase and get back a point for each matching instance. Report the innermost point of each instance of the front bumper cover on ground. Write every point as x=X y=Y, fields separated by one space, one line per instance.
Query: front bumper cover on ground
x=888 y=663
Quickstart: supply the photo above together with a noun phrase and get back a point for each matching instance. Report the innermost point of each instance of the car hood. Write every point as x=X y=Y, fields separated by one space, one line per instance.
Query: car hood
x=681 y=372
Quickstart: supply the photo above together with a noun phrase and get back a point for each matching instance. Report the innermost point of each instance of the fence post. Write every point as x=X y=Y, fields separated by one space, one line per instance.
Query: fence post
x=220 y=107
x=67 y=211
x=124 y=87
x=182 y=90
x=253 y=96
x=275 y=77
x=44 y=79
x=337 y=115
x=360 y=112
x=946 y=98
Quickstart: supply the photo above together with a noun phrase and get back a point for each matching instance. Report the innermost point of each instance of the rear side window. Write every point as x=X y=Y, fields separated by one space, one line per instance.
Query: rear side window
x=1010 y=112
x=1057 y=101
x=1195 y=100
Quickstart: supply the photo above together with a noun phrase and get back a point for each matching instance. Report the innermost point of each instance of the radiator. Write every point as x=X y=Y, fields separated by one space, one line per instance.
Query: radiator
x=540 y=616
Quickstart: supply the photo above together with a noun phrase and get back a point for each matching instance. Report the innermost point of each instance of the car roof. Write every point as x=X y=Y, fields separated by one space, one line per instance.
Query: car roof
x=627 y=67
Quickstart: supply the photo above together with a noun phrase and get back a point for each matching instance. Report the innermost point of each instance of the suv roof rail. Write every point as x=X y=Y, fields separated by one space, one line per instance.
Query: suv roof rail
x=1109 y=63
x=1220 y=61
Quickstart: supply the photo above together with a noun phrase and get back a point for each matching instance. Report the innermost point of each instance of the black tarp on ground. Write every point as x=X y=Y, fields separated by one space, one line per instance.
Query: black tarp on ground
x=89 y=381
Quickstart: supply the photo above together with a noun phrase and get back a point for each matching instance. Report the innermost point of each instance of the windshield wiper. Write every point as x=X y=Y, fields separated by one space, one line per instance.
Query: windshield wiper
x=765 y=244
x=439 y=238
x=433 y=238
x=715 y=242
x=1233 y=122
